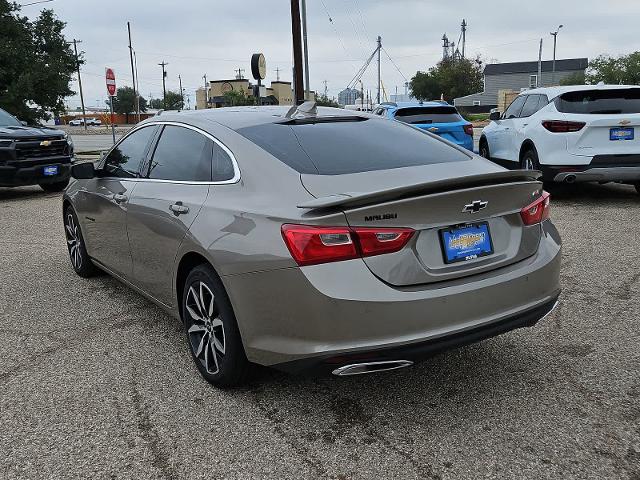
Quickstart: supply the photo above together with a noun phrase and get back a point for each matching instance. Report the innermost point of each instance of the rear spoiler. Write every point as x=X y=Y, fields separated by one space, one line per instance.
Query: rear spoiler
x=358 y=199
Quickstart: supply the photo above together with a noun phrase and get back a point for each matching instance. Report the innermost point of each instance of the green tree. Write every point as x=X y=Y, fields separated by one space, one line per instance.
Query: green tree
x=174 y=102
x=577 y=78
x=324 y=101
x=36 y=64
x=233 y=99
x=624 y=69
x=124 y=102
x=451 y=78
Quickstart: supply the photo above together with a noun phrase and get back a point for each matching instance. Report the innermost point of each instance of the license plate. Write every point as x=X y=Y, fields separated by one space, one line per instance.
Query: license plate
x=50 y=170
x=621 y=134
x=466 y=242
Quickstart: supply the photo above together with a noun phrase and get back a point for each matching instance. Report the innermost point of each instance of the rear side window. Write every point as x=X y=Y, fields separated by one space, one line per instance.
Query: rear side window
x=124 y=160
x=182 y=154
x=334 y=148
x=422 y=115
x=614 y=101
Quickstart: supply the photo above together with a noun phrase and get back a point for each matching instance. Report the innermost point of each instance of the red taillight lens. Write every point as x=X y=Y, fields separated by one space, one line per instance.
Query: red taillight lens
x=558 y=126
x=468 y=129
x=376 y=241
x=538 y=211
x=311 y=245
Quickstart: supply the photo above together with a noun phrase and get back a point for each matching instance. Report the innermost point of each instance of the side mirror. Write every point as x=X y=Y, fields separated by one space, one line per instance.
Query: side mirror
x=495 y=116
x=83 y=171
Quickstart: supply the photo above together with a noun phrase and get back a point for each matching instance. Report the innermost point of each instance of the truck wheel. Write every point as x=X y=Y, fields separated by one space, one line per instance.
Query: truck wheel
x=54 y=187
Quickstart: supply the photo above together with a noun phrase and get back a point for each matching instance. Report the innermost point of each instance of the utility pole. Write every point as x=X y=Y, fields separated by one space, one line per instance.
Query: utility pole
x=277 y=74
x=540 y=83
x=75 y=49
x=464 y=35
x=379 y=80
x=555 y=41
x=325 y=87
x=361 y=95
x=298 y=88
x=181 y=92
x=164 y=89
x=445 y=46
x=305 y=50
x=133 y=74
x=135 y=63
x=239 y=74
x=206 y=91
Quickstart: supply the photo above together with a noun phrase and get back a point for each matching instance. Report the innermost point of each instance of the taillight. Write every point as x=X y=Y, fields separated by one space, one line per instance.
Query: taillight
x=560 y=126
x=468 y=129
x=538 y=211
x=310 y=245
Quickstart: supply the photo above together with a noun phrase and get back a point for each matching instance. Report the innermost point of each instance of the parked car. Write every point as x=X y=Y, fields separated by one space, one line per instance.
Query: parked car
x=587 y=133
x=33 y=155
x=437 y=117
x=76 y=122
x=320 y=240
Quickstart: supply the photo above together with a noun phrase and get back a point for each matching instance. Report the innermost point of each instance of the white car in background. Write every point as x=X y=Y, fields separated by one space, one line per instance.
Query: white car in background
x=585 y=133
x=78 y=122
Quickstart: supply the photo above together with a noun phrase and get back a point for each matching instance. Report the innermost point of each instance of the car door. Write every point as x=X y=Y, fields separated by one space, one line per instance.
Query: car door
x=500 y=145
x=106 y=201
x=531 y=105
x=165 y=204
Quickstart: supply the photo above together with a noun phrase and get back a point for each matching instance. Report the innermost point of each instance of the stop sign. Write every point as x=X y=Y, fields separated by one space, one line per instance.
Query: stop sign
x=111 y=81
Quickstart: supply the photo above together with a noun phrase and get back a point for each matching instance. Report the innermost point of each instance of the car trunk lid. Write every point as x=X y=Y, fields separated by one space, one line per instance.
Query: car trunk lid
x=429 y=200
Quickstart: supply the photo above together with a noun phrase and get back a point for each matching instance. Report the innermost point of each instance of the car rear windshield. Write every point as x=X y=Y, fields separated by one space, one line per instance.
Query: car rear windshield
x=7 y=120
x=422 y=115
x=341 y=147
x=619 y=100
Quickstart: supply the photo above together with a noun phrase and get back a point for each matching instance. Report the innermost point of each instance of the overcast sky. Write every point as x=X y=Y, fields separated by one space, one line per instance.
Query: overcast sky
x=217 y=36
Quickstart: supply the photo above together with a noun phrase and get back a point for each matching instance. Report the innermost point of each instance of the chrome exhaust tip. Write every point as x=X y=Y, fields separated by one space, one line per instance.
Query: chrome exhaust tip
x=371 y=367
x=570 y=178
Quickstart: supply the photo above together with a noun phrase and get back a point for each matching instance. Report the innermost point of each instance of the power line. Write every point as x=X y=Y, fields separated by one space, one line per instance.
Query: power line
x=34 y=3
x=394 y=64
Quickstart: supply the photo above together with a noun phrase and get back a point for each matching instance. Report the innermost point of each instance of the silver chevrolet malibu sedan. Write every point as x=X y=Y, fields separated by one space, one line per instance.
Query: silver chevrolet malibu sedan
x=314 y=239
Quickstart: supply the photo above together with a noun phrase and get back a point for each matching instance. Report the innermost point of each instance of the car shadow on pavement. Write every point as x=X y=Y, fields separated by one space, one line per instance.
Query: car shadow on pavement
x=609 y=193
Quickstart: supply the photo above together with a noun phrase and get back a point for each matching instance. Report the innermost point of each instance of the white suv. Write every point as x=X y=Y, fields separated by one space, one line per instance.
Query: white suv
x=586 y=133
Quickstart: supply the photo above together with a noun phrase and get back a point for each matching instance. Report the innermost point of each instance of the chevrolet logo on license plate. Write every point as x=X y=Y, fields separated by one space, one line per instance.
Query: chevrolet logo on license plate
x=45 y=143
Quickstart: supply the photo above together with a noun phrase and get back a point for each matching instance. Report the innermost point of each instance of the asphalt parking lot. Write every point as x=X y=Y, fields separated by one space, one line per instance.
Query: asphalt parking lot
x=95 y=382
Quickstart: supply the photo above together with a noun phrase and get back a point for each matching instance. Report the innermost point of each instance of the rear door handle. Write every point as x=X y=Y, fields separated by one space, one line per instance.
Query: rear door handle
x=120 y=198
x=178 y=208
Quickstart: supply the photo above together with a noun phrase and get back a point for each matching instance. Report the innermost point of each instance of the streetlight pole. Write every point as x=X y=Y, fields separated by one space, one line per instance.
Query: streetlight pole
x=555 y=41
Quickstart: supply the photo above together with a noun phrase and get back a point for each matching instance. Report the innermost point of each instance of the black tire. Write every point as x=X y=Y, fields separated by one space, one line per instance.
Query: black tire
x=530 y=160
x=211 y=329
x=78 y=256
x=638 y=187
x=483 y=149
x=54 y=187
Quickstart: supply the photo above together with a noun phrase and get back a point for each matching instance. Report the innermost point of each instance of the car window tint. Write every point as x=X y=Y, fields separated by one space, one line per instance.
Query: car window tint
x=613 y=101
x=182 y=154
x=341 y=147
x=222 y=165
x=514 y=109
x=530 y=106
x=125 y=159
x=426 y=115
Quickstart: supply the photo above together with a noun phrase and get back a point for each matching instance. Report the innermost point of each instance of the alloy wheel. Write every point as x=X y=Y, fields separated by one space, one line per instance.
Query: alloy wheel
x=74 y=241
x=206 y=330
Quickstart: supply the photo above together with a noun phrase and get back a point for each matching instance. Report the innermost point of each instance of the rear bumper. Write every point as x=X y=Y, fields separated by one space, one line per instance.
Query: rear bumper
x=17 y=176
x=601 y=168
x=297 y=318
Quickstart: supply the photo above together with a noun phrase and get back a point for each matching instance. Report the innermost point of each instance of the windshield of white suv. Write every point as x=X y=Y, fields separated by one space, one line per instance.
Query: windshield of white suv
x=593 y=102
x=7 y=120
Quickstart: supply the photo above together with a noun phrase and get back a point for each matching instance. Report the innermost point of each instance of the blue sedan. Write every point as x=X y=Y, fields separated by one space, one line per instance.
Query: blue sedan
x=436 y=117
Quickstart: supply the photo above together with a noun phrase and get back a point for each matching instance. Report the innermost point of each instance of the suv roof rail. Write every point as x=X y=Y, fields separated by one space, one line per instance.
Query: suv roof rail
x=391 y=104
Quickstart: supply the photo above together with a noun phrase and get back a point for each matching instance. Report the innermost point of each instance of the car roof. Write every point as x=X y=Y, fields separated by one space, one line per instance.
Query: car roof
x=240 y=117
x=431 y=103
x=553 y=92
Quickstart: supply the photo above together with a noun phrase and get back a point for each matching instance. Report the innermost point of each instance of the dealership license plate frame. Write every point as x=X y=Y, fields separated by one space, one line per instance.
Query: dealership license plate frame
x=446 y=234
x=50 y=170
x=614 y=134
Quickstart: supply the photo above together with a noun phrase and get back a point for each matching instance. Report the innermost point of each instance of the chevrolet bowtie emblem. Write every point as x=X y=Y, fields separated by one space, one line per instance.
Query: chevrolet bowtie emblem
x=433 y=129
x=45 y=143
x=625 y=122
x=475 y=206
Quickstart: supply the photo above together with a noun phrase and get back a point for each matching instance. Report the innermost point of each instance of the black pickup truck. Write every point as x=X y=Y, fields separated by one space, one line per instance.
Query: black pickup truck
x=33 y=155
